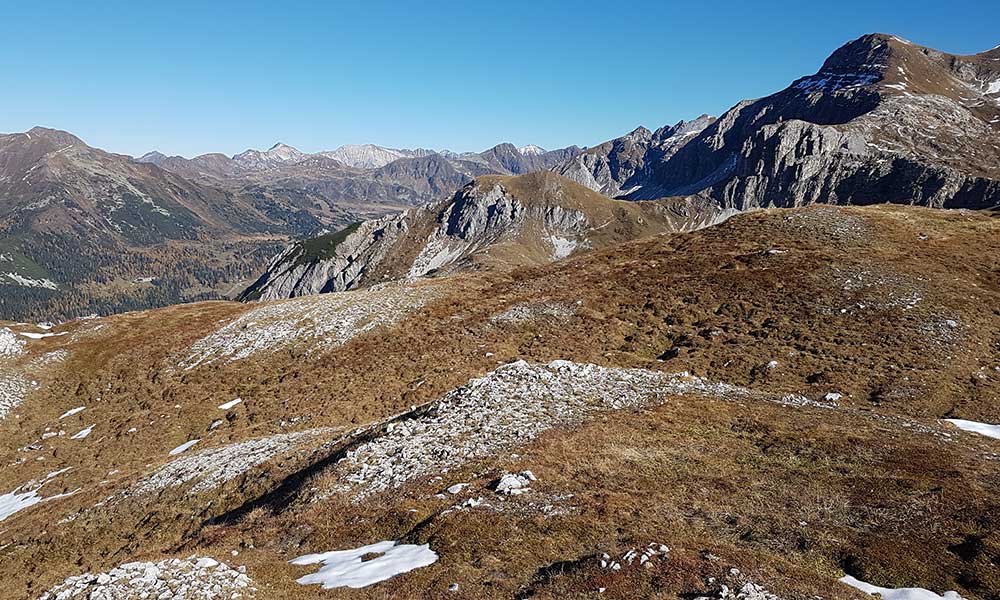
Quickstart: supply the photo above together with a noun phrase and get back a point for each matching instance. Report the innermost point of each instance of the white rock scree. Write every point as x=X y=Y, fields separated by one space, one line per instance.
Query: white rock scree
x=511 y=406
x=191 y=579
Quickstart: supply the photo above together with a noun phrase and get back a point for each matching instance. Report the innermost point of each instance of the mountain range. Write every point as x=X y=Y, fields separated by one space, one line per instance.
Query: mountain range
x=882 y=120
x=87 y=231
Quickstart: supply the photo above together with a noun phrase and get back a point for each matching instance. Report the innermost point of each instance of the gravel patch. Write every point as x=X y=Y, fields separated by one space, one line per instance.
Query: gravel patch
x=10 y=345
x=828 y=222
x=209 y=469
x=326 y=320
x=13 y=385
x=530 y=311
x=13 y=389
x=192 y=579
x=511 y=406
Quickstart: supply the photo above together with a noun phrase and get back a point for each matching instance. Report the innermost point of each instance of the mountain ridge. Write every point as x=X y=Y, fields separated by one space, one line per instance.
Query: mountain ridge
x=494 y=222
x=882 y=120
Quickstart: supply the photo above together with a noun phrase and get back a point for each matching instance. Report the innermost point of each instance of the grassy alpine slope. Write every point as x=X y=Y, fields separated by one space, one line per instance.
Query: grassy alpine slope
x=767 y=400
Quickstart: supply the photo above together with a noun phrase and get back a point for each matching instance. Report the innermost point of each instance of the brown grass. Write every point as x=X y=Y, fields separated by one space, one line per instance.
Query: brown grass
x=894 y=505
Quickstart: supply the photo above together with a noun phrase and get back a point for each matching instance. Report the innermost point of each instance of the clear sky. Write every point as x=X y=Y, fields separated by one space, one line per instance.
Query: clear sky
x=192 y=77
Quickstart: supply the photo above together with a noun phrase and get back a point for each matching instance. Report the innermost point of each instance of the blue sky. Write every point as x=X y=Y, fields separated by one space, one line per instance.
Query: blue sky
x=193 y=77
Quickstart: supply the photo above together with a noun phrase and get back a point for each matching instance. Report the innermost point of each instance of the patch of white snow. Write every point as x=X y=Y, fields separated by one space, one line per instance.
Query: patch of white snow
x=183 y=447
x=898 y=593
x=986 y=429
x=344 y=568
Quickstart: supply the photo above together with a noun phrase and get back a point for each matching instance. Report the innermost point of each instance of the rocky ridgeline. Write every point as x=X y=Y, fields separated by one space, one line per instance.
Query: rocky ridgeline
x=328 y=321
x=173 y=579
x=508 y=407
x=209 y=469
x=621 y=166
x=533 y=219
x=417 y=242
x=883 y=120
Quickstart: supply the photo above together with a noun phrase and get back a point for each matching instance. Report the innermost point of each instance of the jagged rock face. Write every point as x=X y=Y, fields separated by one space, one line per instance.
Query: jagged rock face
x=621 y=166
x=494 y=222
x=292 y=273
x=882 y=121
x=472 y=218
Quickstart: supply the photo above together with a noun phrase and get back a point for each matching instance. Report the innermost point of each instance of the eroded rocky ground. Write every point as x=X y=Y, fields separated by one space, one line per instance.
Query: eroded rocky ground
x=755 y=410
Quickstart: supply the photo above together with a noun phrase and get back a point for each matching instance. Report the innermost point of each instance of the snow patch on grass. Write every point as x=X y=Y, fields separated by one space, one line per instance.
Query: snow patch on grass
x=230 y=404
x=82 y=434
x=986 y=429
x=39 y=336
x=898 y=593
x=72 y=411
x=27 y=496
x=345 y=568
x=183 y=447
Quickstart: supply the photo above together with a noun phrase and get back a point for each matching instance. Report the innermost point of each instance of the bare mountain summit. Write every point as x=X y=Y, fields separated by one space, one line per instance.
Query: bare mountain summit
x=883 y=120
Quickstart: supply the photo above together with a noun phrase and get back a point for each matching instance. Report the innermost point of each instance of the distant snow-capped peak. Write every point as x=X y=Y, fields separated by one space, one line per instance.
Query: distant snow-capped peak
x=531 y=150
x=278 y=154
x=365 y=156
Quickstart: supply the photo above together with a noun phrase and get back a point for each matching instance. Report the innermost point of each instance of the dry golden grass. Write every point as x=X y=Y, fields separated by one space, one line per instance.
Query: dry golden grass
x=889 y=502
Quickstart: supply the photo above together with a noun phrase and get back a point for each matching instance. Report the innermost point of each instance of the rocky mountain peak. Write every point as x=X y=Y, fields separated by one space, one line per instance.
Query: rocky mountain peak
x=639 y=133
x=155 y=157
x=54 y=136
